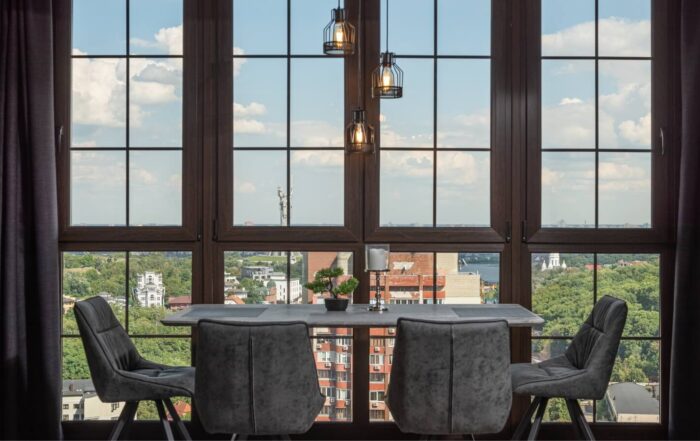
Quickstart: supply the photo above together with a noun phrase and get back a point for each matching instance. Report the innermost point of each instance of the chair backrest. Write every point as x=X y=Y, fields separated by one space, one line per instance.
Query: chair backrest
x=595 y=345
x=256 y=378
x=108 y=347
x=455 y=372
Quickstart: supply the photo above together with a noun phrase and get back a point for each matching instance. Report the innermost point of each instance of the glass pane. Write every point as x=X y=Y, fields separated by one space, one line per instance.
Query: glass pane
x=464 y=27
x=260 y=27
x=568 y=104
x=464 y=103
x=79 y=398
x=255 y=277
x=98 y=102
x=309 y=17
x=469 y=278
x=259 y=102
x=568 y=190
x=381 y=354
x=333 y=354
x=409 y=280
x=156 y=27
x=98 y=188
x=625 y=104
x=99 y=27
x=89 y=274
x=259 y=188
x=633 y=278
x=155 y=102
x=408 y=122
x=624 y=189
x=634 y=393
x=562 y=292
x=410 y=27
x=624 y=28
x=568 y=27
x=463 y=189
x=317 y=112
x=155 y=188
x=305 y=265
x=317 y=180
x=158 y=283
x=406 y=189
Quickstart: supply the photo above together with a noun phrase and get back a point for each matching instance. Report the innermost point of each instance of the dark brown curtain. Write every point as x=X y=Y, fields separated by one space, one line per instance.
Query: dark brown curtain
x=30 y=378
x=684 y=391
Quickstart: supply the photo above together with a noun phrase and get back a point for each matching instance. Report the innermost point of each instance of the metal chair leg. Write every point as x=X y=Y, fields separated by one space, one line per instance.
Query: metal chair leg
x=574 y=419
x=176 y=419
x=124 y=421
x=525 y=421
x=164 y=421
x=583 y=424
x=535 y=429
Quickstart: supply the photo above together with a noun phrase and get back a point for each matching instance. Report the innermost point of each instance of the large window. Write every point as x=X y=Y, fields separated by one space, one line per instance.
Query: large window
x=529 y=161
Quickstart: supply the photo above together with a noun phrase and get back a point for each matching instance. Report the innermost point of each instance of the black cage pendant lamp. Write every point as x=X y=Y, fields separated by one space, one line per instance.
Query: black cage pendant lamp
x=387 y=78
x=359 y=136
x=339 y=34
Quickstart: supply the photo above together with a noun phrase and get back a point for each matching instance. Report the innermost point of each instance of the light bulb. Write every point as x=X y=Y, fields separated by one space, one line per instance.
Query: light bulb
x=387 y=78
x=339 y=32
x=358 y=134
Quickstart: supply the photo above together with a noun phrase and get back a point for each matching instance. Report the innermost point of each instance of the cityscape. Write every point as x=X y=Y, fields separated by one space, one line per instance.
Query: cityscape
x=159 y=283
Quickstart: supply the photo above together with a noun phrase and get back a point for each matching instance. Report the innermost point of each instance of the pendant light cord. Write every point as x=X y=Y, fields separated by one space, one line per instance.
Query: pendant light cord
x=360 y=89
x=387 y=26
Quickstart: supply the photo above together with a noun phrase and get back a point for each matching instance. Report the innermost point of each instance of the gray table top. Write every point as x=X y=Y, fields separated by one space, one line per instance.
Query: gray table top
x=356 y=316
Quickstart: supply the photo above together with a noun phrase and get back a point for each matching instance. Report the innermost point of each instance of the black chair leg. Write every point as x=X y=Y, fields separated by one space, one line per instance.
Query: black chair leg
x=124 y=421
x=574 y=419
x=535 y=429
x=525 y=421
x=176 y=419
x=581 y=418
x=164 y=421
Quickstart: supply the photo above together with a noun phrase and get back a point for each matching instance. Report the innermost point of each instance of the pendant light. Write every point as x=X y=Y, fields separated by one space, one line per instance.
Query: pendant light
x=359 y=136
x=339 y=34
x=387 y=78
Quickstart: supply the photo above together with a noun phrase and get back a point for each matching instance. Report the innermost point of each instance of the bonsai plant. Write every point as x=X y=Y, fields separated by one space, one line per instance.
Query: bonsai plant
x=323 y=282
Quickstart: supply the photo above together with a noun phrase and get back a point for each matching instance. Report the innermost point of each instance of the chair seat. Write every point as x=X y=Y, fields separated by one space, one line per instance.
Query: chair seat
x=556 y=377
x=157 y=382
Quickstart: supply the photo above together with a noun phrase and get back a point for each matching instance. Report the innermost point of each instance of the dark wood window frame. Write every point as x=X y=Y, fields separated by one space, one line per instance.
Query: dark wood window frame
x=515 y=232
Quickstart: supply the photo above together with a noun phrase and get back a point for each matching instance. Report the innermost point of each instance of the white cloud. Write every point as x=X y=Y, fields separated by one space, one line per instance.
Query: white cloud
x=142 y=176
x=246 y=187
x=461 y=169
x=168 y=40
x=638 y=132
x=321 y=158
x=238 y=62
x=149 y=92
x=249 y=126
x=313 y=133
x=96 y=169
x=252 y=109
x=619 y=37
x=566 y=101
x=417 y=164
x=99 y=92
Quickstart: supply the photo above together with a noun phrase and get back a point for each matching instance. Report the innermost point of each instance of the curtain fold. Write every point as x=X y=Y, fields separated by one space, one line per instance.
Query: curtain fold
x=30 y=379
x=684 y=389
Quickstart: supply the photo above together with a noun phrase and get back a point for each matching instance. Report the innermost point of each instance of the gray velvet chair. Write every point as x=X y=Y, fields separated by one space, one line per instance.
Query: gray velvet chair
x=256 y=379
x=582 y=373
x=119 y=373
x=450 y=377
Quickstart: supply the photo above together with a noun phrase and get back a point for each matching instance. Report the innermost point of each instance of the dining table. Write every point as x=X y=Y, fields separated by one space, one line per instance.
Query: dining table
x=356 y=316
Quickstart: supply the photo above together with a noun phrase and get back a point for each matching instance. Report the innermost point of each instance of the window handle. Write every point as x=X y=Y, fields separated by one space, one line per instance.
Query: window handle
x=509 y=235
x=523 y=231
x=662 y=140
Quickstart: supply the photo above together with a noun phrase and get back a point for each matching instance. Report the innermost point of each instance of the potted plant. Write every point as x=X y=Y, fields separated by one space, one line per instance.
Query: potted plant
x=323 y=282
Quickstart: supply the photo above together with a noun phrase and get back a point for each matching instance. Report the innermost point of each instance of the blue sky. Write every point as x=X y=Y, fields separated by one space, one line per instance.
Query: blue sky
x=316 y=113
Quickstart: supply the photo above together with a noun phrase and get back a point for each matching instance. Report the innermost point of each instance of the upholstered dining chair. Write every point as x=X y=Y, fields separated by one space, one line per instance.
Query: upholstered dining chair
x=582 y=373
x=256 y=379
x=119 y=373
x=456 y=372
